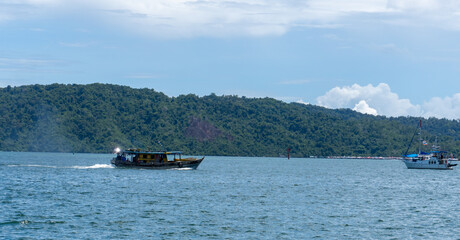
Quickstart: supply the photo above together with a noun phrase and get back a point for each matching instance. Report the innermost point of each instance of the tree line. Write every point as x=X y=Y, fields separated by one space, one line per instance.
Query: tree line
x=99 y=117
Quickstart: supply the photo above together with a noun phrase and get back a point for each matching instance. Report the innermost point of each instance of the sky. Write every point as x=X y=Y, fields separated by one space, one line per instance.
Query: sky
x=380 y=57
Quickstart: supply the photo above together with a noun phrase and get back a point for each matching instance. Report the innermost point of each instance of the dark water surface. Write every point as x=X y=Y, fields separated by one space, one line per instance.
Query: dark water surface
x=66 y=196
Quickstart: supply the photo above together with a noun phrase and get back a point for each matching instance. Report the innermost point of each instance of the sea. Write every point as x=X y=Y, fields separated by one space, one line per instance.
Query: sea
x=81 y=196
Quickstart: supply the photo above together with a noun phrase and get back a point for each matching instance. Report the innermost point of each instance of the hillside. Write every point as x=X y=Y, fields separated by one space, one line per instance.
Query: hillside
x=99 y=117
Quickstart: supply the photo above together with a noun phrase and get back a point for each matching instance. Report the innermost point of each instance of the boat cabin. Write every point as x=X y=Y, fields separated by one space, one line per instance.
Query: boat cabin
x=138 y=156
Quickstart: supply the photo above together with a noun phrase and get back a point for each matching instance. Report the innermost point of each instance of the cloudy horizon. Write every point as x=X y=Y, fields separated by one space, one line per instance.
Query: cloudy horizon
x=380 y=57
x=380 y=100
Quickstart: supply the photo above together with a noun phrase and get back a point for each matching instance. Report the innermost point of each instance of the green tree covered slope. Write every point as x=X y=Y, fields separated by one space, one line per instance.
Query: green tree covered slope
x=99 y=117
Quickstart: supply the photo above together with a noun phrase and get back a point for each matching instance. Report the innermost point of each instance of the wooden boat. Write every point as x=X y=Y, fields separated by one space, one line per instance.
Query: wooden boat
x=136 y=158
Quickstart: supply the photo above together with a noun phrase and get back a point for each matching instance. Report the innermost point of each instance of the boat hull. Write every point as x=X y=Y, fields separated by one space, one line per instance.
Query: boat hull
x=425 y=164
x=188 y=164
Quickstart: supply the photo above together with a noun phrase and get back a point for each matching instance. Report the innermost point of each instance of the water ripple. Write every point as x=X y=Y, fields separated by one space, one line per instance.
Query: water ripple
x=67 y=196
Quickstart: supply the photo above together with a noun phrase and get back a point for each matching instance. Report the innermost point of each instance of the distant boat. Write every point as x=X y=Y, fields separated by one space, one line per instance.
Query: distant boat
x=435 y=159
x=136 y=158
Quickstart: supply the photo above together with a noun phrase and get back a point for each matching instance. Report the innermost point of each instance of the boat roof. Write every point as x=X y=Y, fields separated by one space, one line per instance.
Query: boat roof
x=411 y=155
x=423 y=153
x=150 y=152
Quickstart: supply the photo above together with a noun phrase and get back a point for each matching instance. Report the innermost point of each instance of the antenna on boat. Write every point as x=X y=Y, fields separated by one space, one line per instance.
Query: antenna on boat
x=435 y=146
x=420 y=138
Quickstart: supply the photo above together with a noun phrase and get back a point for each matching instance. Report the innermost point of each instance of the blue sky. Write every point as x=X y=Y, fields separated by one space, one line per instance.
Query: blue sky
x=385 y=57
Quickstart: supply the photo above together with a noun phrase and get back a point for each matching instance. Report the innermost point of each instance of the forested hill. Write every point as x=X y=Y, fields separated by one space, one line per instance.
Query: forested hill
x=100 y=117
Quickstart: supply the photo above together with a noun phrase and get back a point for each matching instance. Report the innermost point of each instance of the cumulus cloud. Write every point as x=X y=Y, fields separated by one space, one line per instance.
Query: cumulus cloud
x=179 y=18
x=363 y=107
x=380 y=100
x=448 y=107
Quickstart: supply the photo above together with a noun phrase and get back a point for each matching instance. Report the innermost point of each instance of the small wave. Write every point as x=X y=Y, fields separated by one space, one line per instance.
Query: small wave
x=94 y=166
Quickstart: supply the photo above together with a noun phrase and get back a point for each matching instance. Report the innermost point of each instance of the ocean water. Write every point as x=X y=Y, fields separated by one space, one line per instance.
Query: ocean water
x=81 y=196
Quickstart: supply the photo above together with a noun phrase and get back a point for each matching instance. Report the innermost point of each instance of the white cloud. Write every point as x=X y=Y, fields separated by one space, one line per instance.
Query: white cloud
x=166 y=18
x=363 y=107
x=420 y=5
x=301 y=101
x=351 y=6
x=189 y=18
x=448 y=107
x=379 y=98
x=382 y=101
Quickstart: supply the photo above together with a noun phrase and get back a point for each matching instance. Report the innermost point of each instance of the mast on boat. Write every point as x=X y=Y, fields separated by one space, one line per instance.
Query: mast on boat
x=420 y=138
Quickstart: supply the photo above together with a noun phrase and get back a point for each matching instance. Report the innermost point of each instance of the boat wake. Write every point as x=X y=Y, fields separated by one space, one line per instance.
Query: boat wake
x=181 y=169
x=95 y=166
x=31 y=165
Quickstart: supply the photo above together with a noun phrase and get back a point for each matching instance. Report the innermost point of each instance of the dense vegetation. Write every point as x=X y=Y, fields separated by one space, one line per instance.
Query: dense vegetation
x=99 y=117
